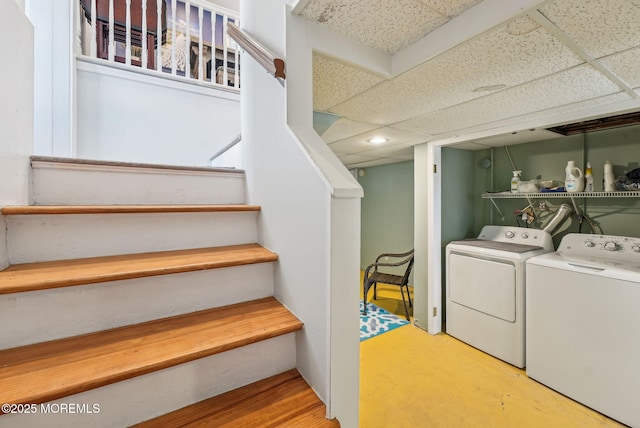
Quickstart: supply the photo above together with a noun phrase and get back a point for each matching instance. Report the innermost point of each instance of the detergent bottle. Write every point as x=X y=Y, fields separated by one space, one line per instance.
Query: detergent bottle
x=588 y=176
x=515 y=181
x=574 y=180
x=609 y=179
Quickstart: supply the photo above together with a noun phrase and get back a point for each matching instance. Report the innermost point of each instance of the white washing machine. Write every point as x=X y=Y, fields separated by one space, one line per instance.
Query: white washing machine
x=583 y=315
x=485 y=289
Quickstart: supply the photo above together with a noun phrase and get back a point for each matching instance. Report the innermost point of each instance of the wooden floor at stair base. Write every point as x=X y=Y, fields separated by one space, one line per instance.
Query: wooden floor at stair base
x=284 y=400
x=47 y=371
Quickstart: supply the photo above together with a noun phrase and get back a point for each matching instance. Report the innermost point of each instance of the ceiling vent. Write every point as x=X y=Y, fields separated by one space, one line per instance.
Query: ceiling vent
x=598 y=124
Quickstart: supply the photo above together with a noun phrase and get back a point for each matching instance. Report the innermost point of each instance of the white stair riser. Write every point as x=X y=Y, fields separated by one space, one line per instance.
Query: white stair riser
x=43 y=315
x=35 y=238
x=70 y=184
x=144 y=397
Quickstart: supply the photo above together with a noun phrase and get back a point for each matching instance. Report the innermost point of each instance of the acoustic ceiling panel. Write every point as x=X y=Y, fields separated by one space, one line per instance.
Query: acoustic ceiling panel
x=335 y=82
x=570 y=86
x=588 y=21
x=356 y=159
x=404 y=152
x=515 y=74
x=450 y=8
x=387 y=25
x=513 y=54
x=344 y=128
x=360 y=143
x=626 y=65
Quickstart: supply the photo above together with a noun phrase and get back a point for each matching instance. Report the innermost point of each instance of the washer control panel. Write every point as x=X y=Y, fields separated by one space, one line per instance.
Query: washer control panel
x=623 y=247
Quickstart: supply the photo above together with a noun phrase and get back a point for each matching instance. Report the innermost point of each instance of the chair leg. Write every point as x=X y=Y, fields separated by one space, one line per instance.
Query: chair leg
x=366 y=292
x=409 y=296
x=364 y=297
x=375 y=291
x=404 y=302
x=366 y=287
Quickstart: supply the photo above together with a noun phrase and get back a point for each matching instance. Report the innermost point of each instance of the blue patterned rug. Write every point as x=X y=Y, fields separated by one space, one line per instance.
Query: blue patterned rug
x=377 y=321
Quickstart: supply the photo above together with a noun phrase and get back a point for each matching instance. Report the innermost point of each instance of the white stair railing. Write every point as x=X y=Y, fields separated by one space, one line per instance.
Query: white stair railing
x=223 y=150
x=183 y=38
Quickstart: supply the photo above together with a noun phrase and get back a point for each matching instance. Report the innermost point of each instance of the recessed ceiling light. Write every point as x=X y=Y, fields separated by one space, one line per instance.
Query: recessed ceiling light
x=377 y=140
x=490 y=88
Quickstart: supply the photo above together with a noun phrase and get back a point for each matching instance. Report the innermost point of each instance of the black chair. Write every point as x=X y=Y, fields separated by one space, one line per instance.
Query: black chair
x=372 y=275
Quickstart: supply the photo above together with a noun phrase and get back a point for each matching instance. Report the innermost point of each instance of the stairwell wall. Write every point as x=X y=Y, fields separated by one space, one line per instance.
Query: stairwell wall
x=310 y=209
x=87 y=109
x=133 y=117
x=16 y=110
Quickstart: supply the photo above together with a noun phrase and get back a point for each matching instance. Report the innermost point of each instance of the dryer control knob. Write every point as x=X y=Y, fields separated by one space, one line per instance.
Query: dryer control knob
x=509 y=234
x=611 y=246
x=589 y=244
x=525 y=235
x=636 y=248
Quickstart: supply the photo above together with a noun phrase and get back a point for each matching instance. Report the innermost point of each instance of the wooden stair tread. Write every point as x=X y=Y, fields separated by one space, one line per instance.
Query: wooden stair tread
x=122 y=209
x=65 y=273
x=283 y=400
x=46 y=371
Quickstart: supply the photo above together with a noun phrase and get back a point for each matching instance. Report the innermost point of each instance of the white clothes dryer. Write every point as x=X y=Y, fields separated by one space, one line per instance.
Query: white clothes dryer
x=485 y=289
x=583 y=313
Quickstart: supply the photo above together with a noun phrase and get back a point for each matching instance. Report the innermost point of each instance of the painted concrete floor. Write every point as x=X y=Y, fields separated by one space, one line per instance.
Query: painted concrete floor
x=409 y=378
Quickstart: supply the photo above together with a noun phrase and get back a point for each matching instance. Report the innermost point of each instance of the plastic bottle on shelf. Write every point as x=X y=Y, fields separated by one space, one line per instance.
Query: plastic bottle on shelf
x=588 y=177
x=515 y=181
x=609 y=179
x=574 y=180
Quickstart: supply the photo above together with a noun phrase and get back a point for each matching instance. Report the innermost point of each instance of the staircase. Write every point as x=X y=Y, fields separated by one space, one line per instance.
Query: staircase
x=136 y=294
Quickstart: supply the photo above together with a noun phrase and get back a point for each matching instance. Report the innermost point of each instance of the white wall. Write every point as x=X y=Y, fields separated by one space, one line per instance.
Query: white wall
x=310 y=209
x=16 y=111
x=52 y=21
x=127 y=116
x=229 y=4
x=427 y=280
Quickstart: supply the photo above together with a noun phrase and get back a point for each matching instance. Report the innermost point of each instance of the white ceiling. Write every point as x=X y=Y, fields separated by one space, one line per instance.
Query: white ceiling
x=485 y=77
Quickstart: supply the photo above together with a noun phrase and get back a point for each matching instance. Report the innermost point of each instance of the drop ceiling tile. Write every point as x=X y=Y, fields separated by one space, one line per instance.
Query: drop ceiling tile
x=525 y=136
x=335 y=82
x=351 y=159
x=570 y=86
x=360 y=143
x=511 y=55
x=388 y=25
x=344 y=128
x=469 y=146
x=587 y=21
x=626 y=65
x=400 y=153
x=584 y=107
x=450 y=8
x=371 y=163
x=359 y=161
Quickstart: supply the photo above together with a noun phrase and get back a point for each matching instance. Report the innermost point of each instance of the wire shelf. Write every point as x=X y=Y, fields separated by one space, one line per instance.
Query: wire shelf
x=562 y=195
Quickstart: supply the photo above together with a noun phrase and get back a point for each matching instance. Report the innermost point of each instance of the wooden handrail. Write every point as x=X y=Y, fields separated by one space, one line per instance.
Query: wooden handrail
x=275 y=66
